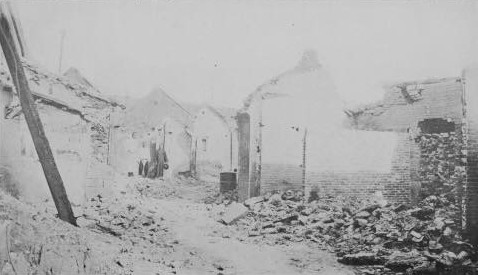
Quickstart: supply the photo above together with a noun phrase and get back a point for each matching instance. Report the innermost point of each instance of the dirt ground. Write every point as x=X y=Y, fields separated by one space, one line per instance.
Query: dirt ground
x=150 y=227
x=195 y=226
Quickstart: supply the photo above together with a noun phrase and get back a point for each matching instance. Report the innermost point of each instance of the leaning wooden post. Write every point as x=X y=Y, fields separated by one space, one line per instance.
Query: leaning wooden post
x=52 y=175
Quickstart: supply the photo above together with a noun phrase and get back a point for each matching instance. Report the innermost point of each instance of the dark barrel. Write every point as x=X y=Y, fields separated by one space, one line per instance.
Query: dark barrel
x=227 y=181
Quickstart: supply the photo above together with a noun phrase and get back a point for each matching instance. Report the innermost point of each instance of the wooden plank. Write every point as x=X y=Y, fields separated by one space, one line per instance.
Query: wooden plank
x=42 y=146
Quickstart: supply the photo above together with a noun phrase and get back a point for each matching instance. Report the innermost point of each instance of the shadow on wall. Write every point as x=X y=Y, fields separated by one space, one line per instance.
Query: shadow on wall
x=8 y=183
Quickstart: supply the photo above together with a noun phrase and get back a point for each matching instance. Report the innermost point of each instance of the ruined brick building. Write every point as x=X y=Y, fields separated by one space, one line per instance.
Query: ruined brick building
x=291 y=136
x=76 y=121
x=417 y=108
x=430 y=105
x=420 y=139
x=438 y=114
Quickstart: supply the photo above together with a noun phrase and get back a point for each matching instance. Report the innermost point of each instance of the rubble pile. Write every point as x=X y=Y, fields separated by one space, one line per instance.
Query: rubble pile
x=155 y=189
x=32 y=241
x=222 y=198
x=126 y=221
x=364 y=232
x=442 y=163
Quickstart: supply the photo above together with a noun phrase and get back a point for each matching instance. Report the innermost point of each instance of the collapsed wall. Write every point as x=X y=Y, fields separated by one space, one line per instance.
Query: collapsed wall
x=297 y=141
x=432 y=112
x=442 y=166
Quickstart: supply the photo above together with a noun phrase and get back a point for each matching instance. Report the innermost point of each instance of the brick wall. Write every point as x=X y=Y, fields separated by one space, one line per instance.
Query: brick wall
x=346 y=183
x=337 y=161
x=471 y=188
x=379 y=164
x=345 y=162
x=398 y=188
x=414 y=165
x=395 y=185
x=281 y=176
x=404 y=106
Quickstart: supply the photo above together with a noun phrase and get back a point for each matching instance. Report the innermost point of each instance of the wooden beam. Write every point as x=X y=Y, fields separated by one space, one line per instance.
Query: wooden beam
x=42 y=146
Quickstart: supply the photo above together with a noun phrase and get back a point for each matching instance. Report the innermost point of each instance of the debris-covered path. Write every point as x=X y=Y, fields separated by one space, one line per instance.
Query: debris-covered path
x=173 y=227
x=192 y=225
x=145 y=227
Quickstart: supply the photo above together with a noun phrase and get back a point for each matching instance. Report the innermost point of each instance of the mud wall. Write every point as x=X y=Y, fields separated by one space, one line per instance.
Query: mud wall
x=129 y=146
x=68 y=138
x=214 y=141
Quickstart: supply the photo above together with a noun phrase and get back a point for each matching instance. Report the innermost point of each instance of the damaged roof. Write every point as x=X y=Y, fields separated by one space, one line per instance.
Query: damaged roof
x=58 y=91
x=37 y=75
x=72 y=92
x=308 y=63
x=411 y=91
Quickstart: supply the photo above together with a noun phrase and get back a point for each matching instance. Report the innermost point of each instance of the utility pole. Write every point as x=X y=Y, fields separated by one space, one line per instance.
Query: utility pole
x=47 y=161
x=62 y=42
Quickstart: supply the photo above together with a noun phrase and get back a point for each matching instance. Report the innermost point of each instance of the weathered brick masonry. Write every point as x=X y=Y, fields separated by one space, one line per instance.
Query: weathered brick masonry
x=394 y=183
x=471 y=111
x=432 y=106
x=398 y=188
x=276 y=176
x=332 y=158
x=280 y=111
x=355 y=180
x=405 y=109
x=356 y=184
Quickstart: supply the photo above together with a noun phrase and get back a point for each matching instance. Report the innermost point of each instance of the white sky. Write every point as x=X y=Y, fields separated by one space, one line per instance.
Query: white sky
x=222 y=50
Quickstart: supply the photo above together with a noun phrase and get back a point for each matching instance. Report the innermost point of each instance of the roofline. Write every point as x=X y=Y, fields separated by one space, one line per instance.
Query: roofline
x=57 y=104
x=177 y=103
